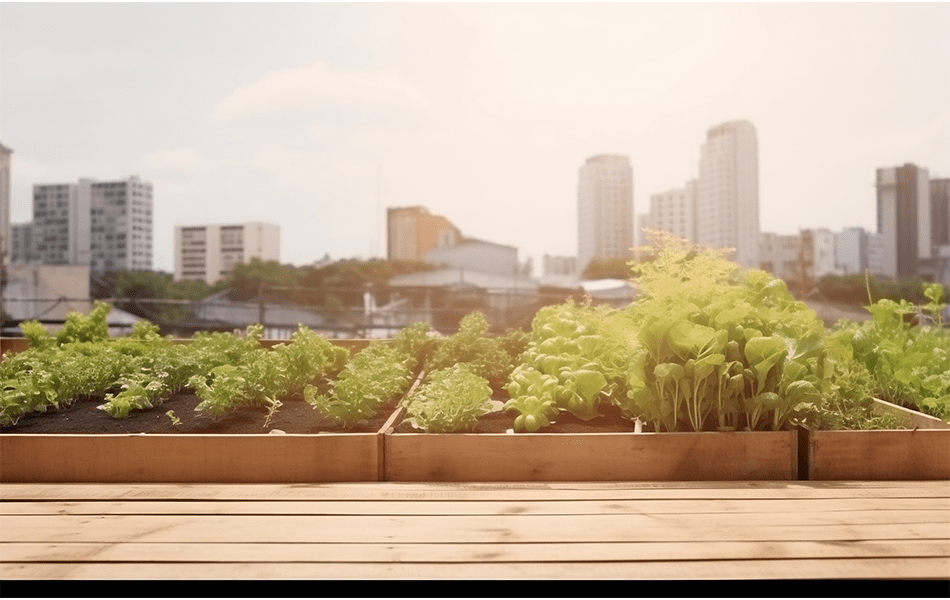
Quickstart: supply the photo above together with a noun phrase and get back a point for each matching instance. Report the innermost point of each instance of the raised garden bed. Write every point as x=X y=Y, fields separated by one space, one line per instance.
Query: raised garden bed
x=921 y=452
x=81 y=443
x=603 y=449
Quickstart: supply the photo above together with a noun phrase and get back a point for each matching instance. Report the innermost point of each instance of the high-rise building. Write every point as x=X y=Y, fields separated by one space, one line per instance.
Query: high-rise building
x=209 y=252
x=727 y=199
x=903 y=220
x=604 y=209
x=5 y=204
x=940 y=212
x=105 y=225
x=413 y=231
x=674 y=211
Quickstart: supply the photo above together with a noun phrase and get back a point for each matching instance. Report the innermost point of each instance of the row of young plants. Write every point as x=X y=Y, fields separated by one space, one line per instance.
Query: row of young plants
x=707 y=346
x=226 y=371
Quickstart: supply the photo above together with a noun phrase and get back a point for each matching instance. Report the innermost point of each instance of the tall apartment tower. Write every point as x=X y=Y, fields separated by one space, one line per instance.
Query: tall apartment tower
x=903 y=220
x=105 y=225
x=604 y=209
x=5 y=204
x=209 y=252
x=412 y=231
x=940 y=212
x=674 y=211
x=727 y=208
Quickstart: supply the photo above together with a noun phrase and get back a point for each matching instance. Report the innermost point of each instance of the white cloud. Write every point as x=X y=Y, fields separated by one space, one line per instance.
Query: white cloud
x=304 y=172
x=320 y=85
x=180 y=160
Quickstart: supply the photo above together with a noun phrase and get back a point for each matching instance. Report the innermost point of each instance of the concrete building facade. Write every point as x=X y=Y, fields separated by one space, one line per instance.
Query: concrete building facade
x=106 y=226
x=674 y=211
x=823 y=253
x=903 y=220
x=412 y=231
x=210 y=252
x=780 y=254
x=605 y=209
x=727 y=209
x=852 y=251
x=478 y=256
x=5 y=231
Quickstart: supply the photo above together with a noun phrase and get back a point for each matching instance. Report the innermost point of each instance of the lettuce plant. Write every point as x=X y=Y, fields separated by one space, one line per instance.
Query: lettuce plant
x=716 y=345
x=449 y=400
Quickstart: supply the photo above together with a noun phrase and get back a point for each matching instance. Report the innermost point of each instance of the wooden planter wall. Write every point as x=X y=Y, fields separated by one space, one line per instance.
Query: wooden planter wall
x=921 y=453
x=185 y=458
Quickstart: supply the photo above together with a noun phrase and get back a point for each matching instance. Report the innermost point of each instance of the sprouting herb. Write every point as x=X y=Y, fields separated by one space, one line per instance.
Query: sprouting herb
x=450 y=400
x=175 y=420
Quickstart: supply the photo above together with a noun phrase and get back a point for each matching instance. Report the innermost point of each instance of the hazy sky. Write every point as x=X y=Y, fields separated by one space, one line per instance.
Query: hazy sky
x=289 y=113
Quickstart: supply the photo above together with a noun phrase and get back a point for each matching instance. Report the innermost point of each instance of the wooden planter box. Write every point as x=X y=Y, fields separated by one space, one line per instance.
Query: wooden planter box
x=185 y=458
x=188 y=458
x=707 y=456
x=919 y=453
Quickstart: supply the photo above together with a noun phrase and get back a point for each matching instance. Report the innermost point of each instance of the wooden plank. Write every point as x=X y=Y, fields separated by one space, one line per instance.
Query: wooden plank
x=188 y=458
x=460 y=507
x=480 y=528
x=463 y=552
x=12 y=345
x=572 y=457
x=858 y=568
x=409 y=492
x=923 y=454
x=912 y=419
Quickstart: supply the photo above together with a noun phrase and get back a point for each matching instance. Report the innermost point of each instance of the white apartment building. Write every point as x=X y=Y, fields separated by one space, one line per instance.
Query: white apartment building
x=604 y=209
x=727 y=210
x=104 y=225
x=903 y=220
x=209 y=252
x=823 y=253
x=852 y=251
x=779 y=254
x=674 y=211
x=478 y=256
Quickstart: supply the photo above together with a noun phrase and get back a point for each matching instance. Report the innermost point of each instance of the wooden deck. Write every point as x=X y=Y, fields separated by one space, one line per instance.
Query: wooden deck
x=735 y=530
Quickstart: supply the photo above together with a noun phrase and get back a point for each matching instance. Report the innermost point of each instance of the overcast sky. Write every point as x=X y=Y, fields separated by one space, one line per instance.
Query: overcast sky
x=319 y=116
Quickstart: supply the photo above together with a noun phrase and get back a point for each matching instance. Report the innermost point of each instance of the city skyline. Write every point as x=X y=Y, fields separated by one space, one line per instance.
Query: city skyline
x=319 y=117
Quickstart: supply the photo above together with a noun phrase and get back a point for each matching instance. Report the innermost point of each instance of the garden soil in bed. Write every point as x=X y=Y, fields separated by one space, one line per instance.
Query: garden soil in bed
x=294 y=416
x=610 y=421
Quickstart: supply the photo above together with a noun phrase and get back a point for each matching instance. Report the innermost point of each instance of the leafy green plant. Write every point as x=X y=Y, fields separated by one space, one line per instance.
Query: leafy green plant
x=174 y=419
x=262 y=377
x=471 y=345
x=720 y=347
x=369 y=380
x=905 y=350
x=450 y=400
x=573 y=362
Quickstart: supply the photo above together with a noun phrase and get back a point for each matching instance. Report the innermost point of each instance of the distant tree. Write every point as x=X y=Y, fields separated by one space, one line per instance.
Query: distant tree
x=607 y=268
x=854 y=289
x=144 y=288
x=246 y=280
x=346 y=280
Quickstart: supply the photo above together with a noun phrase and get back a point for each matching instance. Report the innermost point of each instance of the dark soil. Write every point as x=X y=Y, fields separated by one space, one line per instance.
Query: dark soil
x=294 y=416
